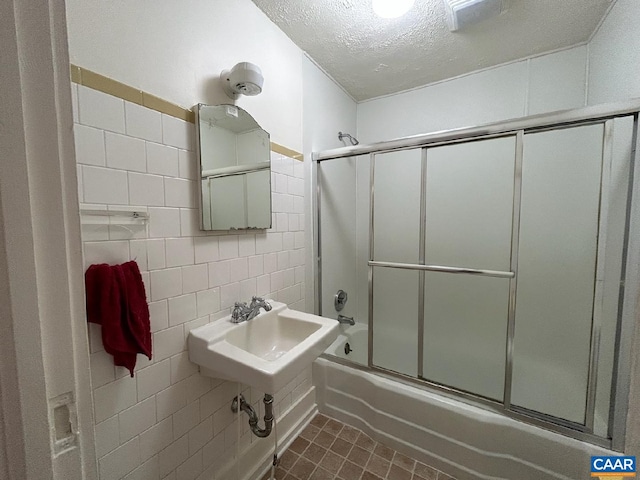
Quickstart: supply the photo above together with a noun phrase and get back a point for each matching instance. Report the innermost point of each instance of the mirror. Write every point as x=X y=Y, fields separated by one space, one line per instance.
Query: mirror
x=235 y=169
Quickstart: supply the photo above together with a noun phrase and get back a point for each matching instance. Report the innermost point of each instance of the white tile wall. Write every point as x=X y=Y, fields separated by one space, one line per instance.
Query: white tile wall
x=195 y=278
x=120 y=461
x=74 y=102
x=153 y=379
x=179 y=251
x=125 y=153
x=156 y=438
x=162 y=159
x=168 y=342
x=155 y=254
x=179 y=193
x=90 y=148
x=105 y=185
x=182 y=309
x=107 y=436
x=137 y=419
x=98 y=110
x=206 y=249
x=166 y=283
x=113 y=398
x=177 y=133
x=143 y=123
x=169 y=422
x=146 y=189
x=149 y=469
x=102 y=369
x=187 y=165
x=174 y=455
x=166 y=222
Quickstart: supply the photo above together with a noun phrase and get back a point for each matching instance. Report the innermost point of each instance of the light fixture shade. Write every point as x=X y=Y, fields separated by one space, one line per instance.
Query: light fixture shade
x=243 y=79
x=391 y=8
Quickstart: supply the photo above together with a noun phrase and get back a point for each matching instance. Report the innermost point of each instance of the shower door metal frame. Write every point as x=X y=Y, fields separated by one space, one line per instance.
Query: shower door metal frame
x=598 y=294
x=515 y=246
x=630 y=282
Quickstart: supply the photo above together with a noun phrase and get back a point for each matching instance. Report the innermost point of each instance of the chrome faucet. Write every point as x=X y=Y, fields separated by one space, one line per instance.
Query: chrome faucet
x=346 y=320
x=243 y=312
x=256 y=304
x=240 y=312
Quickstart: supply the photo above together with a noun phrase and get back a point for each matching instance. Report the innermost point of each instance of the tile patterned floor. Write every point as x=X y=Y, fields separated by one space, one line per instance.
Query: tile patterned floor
x=330 y=450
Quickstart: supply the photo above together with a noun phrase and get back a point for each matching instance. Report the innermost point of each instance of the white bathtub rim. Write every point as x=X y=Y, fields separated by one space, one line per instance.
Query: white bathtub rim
x=430 y=453
x=452 y=406
x=351 y=334
x=345 y=336
x=442 y=399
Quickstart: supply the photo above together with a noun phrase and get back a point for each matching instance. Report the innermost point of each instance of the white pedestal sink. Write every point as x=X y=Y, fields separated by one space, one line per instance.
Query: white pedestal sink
x=266 y=352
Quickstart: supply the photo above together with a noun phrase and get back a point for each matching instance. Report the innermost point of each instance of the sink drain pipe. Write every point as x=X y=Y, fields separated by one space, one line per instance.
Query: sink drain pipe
x=253 y=416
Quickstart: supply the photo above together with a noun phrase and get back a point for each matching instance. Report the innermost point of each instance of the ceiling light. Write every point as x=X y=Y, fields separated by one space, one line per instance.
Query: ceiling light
x=462 y=13
x=391 y=8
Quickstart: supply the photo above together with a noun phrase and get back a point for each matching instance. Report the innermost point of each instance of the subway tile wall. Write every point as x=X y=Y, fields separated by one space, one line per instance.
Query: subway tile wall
x=169 y=422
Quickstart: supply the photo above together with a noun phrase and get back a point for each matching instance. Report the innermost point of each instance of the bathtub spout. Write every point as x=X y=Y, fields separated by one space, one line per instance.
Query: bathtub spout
x=346 y=320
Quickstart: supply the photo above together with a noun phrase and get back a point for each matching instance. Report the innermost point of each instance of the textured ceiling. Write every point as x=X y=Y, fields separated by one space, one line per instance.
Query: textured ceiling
x=371 y=56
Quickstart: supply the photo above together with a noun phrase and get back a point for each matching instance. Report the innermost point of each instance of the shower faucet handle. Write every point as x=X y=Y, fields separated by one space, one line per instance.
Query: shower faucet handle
x=340 y=300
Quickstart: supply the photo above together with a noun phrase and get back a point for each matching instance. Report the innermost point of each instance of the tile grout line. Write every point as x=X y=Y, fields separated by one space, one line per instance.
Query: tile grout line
x=101 y=83
x=345 y=458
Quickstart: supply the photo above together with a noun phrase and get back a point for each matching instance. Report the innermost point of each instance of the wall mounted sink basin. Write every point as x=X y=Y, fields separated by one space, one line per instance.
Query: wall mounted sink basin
x=266 y=352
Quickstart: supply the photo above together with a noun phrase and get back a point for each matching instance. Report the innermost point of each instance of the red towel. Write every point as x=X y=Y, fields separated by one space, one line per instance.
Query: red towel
x=116 y=300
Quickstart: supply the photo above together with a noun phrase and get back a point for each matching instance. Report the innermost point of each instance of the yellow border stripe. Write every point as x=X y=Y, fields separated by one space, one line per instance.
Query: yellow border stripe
x=107 y=85
x=76 y=76
x=287 y=152
x=161 y=105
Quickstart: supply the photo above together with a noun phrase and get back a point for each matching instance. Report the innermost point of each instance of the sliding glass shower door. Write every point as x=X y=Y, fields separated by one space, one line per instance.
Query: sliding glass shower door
x=340 y=213
x=469 y=211
x=441 y=243
x=490 y=266
x=561 y=184
x=396 y=238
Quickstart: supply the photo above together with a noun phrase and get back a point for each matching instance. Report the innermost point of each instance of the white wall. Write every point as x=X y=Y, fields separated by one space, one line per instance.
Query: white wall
x=550 y=82
x=169 y=419
x=42 y=314
x=614 y=55
x=11 y=453
x=183 y=64
x=605 y=70
x=328 y=110
x=176 y=50
x=614 y=69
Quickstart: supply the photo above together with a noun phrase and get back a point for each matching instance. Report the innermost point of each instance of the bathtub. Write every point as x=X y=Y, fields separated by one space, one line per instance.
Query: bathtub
x=463 y=440
x=351 y=344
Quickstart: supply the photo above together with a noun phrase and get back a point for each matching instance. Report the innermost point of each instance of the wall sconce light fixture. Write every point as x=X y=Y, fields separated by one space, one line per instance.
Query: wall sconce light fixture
x=243 y=79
